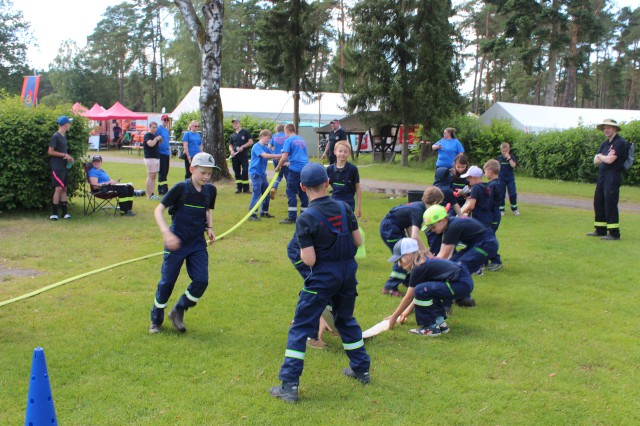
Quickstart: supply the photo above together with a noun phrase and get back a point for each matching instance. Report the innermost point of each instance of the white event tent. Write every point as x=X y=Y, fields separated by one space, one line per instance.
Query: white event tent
x=273 y=105
x=537 y=118
x=276 y=105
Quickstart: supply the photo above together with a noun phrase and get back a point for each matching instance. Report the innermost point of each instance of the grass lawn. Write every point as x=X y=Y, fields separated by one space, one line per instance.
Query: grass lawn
x=553 y=339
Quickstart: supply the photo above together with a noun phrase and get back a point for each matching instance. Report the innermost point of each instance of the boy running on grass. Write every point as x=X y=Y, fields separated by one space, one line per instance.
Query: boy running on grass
x=191 y=203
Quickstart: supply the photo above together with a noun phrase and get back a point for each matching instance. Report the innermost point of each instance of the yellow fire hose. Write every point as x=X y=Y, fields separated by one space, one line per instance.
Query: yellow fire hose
x=115 y=265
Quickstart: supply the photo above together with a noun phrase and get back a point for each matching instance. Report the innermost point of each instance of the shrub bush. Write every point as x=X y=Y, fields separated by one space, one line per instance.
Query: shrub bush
x=560 y=155
x=25 y=133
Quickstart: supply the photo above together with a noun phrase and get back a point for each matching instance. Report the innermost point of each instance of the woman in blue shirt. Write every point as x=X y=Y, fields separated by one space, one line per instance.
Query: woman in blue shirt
x=448 y=147
x=191 y=145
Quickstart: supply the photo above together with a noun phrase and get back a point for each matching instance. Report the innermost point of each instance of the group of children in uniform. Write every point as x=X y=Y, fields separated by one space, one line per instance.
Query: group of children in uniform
x=325 y=243
x=459 y=210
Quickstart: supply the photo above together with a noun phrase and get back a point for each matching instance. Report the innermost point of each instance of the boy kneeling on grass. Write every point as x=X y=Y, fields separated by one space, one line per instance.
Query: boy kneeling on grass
x=190 y=204
x=328 y=237
x=433 y=285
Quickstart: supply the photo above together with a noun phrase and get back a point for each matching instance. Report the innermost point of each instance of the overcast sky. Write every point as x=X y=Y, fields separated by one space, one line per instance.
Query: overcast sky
x=52 y=22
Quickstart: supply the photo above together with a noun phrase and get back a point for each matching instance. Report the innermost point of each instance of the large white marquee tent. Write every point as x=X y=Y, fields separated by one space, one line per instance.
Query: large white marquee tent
x=276 y=105
x=536 y=118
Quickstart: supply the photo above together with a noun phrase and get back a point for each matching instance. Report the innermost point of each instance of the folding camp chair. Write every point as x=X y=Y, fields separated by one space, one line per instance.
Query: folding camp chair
x=97 y=200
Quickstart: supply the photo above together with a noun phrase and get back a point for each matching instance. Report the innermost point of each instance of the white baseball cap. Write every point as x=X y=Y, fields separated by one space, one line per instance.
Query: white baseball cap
x=203 y=159
x=402 y=247
x=474 y=171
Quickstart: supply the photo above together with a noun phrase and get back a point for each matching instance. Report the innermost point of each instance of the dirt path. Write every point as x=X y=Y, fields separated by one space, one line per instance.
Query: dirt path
x=400 y=188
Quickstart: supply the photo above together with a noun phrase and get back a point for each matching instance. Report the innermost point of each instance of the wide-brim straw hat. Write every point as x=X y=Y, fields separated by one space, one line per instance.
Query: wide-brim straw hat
x=608 y=122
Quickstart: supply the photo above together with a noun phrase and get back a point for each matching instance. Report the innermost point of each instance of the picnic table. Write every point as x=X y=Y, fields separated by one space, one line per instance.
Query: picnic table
x=132 y=148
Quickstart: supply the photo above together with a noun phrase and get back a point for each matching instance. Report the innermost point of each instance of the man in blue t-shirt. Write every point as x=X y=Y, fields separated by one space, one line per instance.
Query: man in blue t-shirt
x=294 y=152
x=276 y=144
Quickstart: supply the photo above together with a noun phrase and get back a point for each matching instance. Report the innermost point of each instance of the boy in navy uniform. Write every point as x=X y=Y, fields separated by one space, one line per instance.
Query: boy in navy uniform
x=434 y=284
x=460 y=167
x=483 y=203
x=393 y=228
x=344 y=178
x=492 y=171
x=610 y=159
x=480 y=242
x=294 y=152
x=507 y=178
x=328 y=237
x=190 y=204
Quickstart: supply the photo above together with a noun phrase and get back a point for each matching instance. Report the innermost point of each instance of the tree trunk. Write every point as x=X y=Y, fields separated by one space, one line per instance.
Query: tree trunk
x=209 y=39
x=550 y=91
x=570 y=87
x=341 y=36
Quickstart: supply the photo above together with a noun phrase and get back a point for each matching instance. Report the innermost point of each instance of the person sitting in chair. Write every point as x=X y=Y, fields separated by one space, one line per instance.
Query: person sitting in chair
x=100 y=181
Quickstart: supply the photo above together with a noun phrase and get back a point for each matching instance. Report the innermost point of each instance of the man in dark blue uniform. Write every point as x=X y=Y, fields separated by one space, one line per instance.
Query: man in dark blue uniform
x=609 y=159
x=336 y=134
x=328 y=237
x=240 y=149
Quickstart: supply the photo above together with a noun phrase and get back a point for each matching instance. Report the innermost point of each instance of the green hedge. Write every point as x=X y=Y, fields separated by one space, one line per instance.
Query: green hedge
x=25 y=133
x=560 y=155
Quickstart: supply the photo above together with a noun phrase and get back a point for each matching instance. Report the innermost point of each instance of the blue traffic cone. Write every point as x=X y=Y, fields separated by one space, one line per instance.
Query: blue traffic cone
x=40 y=409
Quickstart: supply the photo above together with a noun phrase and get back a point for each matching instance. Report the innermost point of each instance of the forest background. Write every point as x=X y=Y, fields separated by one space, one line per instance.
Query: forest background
x=582 y=53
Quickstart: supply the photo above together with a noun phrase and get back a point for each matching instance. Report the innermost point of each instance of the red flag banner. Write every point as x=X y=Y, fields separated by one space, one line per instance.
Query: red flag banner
x=30 y=90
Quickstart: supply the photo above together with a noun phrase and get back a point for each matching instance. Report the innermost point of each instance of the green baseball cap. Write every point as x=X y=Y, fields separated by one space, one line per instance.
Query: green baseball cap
x=433 y=215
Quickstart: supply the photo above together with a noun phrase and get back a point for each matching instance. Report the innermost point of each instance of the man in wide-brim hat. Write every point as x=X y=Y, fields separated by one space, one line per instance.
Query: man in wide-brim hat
x=609 y=159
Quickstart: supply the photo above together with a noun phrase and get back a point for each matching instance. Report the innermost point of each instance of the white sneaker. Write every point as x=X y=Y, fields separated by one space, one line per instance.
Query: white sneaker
x=66 y=216
x=516 y=213
x=53 y=217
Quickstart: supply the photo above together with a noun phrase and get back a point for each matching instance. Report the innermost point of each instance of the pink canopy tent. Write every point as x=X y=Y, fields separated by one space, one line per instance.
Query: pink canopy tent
x=95 y=110
x=78 y=108
x=117 y=112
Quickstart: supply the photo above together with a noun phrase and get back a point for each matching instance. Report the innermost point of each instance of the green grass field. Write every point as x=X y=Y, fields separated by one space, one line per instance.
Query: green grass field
x=553 y=339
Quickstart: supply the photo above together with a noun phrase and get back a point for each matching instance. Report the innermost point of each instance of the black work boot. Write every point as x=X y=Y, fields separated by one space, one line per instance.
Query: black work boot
x=177 y=317
x=611 y=237
x=362 y=377
x=238 y=188
x=245 y=188
x=287 y=392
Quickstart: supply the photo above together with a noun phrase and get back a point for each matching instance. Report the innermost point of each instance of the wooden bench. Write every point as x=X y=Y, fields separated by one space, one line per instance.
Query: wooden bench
x=131 y=148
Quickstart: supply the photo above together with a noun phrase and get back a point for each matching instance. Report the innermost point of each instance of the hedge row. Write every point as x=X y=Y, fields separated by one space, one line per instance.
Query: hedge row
x=25 y=133
x=560 y=155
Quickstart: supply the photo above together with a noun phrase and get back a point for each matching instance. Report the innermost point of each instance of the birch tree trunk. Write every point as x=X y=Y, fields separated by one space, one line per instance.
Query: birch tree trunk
x=208 y=35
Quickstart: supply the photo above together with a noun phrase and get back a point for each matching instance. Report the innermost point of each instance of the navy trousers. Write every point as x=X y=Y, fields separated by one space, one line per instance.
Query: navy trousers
x=391 y=234
x=331 y=283
x=605 y=203
x=197 y=260
x=293 y=193
x=476 y=256
x=508 y=184
x=432 y=298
